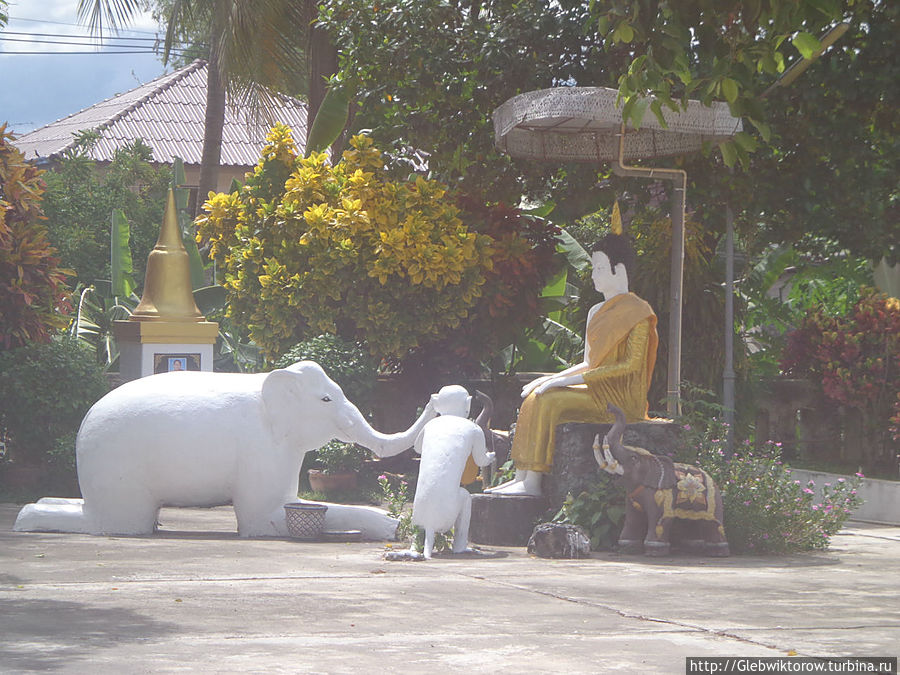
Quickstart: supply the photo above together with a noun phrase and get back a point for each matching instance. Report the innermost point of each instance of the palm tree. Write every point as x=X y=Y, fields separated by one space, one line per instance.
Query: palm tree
x=255 y=47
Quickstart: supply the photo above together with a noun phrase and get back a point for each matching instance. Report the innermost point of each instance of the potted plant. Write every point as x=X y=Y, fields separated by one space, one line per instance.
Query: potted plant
x=337 y=467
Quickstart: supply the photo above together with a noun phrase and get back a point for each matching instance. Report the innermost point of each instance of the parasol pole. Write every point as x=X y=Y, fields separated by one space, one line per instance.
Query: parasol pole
x=676 y=283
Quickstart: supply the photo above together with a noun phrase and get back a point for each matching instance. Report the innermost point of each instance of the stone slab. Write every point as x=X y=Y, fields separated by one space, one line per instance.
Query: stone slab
x=505 y=520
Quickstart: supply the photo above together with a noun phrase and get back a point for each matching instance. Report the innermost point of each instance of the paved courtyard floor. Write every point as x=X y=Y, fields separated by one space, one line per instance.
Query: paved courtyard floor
x=196 y=598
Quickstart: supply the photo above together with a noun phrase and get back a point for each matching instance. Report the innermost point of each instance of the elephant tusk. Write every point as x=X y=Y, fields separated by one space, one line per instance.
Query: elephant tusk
x=598 y=456
x=614 y=466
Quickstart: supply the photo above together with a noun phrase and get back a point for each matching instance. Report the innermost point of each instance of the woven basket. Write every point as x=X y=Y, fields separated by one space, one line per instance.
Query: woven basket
x=305 y=521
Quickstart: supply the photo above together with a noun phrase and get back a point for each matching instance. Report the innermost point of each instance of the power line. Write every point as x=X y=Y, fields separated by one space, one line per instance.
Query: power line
x=154 y=48
x=76 y=36
x=145 y=51
x=70 y=42
x=89 y=37
x=13 y=19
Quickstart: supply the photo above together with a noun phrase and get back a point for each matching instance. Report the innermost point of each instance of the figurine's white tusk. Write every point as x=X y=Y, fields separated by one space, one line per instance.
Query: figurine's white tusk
x=614 y=466
x=597 y=454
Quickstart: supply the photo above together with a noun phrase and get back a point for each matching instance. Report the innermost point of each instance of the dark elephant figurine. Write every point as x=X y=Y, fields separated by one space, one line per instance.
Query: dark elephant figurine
x=665 y=500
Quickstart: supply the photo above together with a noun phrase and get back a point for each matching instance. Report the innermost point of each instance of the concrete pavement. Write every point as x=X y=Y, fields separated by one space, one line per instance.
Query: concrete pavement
x=196 y=598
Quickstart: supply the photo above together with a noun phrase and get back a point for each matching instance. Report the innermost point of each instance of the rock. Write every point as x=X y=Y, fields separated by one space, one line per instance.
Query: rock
x=557 y=540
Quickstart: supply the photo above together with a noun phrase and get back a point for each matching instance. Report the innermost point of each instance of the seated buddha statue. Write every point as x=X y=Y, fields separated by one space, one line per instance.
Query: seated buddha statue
x=619 y=355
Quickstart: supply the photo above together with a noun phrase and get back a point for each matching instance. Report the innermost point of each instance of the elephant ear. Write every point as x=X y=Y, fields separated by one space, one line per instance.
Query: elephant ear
x=280 y=392
x=661 y=472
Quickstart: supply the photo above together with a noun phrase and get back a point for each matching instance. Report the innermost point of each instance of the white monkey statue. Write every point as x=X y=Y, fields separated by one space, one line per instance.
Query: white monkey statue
x=445 y=444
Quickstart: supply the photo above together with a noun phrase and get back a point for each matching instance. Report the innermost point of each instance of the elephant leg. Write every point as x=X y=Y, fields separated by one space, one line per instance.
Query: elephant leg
x=136 y=515
x=633 y=531
x=428 y=548
x=658 y=530
x=716 y=543
x=260 y=518
x=461 y=528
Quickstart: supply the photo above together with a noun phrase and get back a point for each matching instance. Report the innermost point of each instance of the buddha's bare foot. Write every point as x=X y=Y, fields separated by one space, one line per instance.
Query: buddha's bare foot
x=503 y=486
x=521 y=487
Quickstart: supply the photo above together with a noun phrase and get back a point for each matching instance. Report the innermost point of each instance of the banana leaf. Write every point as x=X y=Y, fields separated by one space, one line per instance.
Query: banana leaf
x=121 y=266
x=331 y=118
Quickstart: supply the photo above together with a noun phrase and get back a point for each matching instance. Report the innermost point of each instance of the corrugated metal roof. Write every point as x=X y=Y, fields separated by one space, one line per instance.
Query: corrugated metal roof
x=168 y=114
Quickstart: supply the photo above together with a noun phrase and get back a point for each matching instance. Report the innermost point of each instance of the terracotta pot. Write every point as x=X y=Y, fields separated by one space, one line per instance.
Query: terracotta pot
x=328 y=483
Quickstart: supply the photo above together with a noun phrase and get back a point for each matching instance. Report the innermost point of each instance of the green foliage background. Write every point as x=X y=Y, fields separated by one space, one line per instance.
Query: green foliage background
x=37 y=414
x=80 y=197
x=33 y=292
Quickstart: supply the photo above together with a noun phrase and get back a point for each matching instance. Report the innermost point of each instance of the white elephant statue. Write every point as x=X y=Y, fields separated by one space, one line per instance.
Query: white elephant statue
x=206 y=439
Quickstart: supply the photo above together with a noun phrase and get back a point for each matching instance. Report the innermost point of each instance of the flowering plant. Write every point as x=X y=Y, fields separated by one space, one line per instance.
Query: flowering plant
x=766 y=510
x=395 y=495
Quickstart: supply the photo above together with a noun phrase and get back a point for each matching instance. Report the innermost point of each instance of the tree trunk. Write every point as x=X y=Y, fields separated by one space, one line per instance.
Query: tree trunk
x=323 y=61
x=212 y=135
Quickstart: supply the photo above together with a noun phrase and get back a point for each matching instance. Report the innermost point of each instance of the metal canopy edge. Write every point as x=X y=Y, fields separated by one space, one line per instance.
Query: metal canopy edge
x=583 y=123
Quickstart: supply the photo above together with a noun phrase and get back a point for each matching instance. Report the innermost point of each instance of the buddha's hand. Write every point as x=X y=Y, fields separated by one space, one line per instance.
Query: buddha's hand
x=550 y=383
x=534 y=384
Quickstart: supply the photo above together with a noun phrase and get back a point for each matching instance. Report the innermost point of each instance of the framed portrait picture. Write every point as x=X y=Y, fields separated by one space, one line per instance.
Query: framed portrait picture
x=167 y=363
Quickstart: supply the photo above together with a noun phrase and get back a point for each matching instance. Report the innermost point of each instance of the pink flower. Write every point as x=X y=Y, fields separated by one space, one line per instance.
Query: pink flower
x=382 y=477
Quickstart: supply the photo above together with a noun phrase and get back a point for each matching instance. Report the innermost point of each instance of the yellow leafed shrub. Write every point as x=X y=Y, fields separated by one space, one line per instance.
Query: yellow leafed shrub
x=307 y=248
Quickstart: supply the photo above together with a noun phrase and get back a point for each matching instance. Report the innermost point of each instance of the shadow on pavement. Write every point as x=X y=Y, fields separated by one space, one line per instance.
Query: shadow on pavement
x=51 y=634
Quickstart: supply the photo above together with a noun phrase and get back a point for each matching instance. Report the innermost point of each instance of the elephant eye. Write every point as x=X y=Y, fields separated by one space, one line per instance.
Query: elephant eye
x=326 y=398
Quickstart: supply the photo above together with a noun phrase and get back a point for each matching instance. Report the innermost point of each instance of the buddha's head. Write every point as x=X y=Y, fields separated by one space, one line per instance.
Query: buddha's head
x=611 y=260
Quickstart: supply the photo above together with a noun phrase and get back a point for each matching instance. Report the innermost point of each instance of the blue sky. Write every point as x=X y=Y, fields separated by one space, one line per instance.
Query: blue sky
x=36 y=89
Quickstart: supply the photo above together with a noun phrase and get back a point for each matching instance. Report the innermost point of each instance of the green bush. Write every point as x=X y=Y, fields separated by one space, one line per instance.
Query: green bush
x=80 y=197
x=338 y=457
x=45 y=390
x=344 y=362
x=766 y=510
x=599 y=512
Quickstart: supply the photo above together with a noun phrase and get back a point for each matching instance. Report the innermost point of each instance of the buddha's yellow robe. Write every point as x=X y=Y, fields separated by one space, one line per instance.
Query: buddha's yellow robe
x=623 y=340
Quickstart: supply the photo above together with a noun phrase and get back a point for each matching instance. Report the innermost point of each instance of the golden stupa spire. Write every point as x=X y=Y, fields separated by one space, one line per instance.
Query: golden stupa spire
x=168 y=294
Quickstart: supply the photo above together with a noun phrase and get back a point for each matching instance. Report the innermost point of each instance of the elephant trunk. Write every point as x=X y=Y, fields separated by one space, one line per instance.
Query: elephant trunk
x=484 y=417
x=612 y=453
x=387 y=445
x=614 y=435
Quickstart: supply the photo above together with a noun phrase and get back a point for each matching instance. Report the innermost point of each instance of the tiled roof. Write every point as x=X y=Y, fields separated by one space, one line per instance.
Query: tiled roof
x=168 y=114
